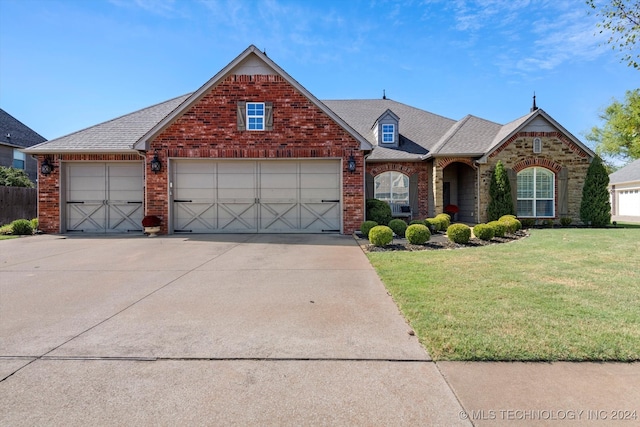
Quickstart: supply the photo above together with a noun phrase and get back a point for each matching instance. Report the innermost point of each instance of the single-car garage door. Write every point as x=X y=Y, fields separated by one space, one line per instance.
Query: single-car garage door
x=104 y=197
x=291 y=196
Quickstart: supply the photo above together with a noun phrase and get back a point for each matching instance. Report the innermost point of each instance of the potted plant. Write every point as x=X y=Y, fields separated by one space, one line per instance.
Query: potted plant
x=451 y=210
x=151 y=224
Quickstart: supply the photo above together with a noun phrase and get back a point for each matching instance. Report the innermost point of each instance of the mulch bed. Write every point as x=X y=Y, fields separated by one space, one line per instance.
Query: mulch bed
x=439 y=241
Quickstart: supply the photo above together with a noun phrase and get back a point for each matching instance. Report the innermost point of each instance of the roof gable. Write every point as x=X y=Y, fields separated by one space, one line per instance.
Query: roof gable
x=469 y=137
x=15 y=133
x=249 y=62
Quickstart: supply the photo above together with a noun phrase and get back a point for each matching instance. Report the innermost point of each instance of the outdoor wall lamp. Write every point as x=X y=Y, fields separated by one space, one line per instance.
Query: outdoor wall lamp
x=351 y=164
x=46 y=167
x=155 y=163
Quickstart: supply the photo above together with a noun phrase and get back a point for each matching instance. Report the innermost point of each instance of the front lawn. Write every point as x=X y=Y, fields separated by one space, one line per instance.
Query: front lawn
x=561 y=294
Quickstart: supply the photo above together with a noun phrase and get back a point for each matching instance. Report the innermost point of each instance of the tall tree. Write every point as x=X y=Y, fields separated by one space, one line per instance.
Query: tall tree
x=620 y=134
x=621 y=19
x=500 y=192
x=595 y=208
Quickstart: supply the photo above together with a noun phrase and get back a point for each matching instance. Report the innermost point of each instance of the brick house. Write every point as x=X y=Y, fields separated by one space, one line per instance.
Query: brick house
x=14 y=136
x=254 y=151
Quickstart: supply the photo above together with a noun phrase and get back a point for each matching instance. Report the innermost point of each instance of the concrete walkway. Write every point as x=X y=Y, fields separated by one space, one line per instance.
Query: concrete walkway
x=251 y=330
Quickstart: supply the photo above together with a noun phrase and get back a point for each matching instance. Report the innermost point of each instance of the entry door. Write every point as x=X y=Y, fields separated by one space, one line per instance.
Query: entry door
x=104 y=197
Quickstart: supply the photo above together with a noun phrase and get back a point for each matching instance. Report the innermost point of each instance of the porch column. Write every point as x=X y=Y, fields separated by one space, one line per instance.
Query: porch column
x=438 y=184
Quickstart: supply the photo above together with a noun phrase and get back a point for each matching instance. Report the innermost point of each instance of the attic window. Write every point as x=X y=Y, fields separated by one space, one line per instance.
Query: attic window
x=388 y=134
x=537 y=145
x=255 y=116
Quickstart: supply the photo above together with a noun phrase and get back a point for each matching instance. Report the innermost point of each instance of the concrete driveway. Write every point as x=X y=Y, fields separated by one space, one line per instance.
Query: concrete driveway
x=207 y=330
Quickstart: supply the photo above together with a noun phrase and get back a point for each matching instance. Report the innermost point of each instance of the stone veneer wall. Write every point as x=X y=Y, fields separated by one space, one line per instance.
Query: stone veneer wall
x=300 y=130
x=557 y=152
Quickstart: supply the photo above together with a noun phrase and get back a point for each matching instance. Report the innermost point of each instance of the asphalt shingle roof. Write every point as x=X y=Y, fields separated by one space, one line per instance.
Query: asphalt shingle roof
x=630 y=172
x=114 y=135
x=471 y=136
x=20 y=135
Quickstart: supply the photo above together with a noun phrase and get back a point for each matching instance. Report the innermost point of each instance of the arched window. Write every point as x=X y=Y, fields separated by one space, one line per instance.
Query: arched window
x=392 y=187
x=536 y=193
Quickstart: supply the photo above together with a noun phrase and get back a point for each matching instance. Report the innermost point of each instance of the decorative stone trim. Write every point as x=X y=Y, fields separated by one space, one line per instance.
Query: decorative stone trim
x=406 y=169
x=443 y=162
x=560 y=136
x=537 y=161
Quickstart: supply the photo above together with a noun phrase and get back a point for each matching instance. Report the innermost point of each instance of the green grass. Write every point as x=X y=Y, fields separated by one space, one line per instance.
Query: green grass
x=561 y=294
x=7 y=237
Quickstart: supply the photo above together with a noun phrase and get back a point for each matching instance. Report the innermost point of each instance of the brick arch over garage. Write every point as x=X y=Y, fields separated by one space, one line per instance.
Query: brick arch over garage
x=537 y=162
x=419 y=170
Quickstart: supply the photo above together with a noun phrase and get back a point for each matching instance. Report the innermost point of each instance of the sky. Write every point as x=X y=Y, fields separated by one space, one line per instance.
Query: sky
x=69 y=64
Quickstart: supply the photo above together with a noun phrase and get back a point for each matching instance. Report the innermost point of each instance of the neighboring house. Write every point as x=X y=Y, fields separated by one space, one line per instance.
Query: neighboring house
x=624 y=187
x=14 y=136
x=254 y=151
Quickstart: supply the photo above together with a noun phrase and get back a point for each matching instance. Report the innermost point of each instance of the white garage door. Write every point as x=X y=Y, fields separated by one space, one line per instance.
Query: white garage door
x=104 y=197
x=301 y=196
x=629 y=203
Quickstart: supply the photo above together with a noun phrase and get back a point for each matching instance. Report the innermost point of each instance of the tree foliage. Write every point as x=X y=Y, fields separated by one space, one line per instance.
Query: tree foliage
x=12 y=177
x=620 y=134
x=500 y=192
x=595 y=208
x=620 y=18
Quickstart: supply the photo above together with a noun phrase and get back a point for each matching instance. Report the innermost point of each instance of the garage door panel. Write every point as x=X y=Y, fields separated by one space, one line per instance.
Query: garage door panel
x=104 y=197
x=264 y=196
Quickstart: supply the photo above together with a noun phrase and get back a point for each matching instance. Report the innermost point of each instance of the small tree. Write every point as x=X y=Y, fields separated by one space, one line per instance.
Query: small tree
x=500 y=193
x=12 y=177
x=595 y=209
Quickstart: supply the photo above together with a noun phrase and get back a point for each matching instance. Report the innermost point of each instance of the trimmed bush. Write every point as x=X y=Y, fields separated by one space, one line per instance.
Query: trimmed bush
x=34 y=223
x=565 y=221
x=498 y=228
x=445 y=219
x=434 y=224
x=6 y=230
x=501 y=202
x=528 y=222
x=378 y=211
x=547 y=223
x=483 y=232
x=398 y=226
x=380 y=235
x=595 y=208
x=418 y=234
x=366 y=226
x=21 y=227
x=459 y=233
x=503 y=217
x=418 y=221
x=512 y=225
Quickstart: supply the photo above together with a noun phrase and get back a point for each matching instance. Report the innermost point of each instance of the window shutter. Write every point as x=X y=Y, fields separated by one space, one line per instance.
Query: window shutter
x=563 y=192
x=241 y=116
x=268 y=116
x=369 y=185
x=413 y=194
x=513 y=184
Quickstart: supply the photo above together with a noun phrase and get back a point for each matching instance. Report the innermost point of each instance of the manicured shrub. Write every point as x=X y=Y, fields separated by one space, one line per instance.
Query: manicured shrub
x=512 y=225
x=498 y=228
x=6 y=230
x=483 y=232
x=366 y=226
x=445 y=219
x=417 y=234
x=418 y=221
x=459 y=233
x=380 y=235
x=595 y=208
x=378 y=211
x=434 y=224
x=565 y=221
x=547 y=223
x=528 y=222
x=503 y=217
x=34 y=223
x=398 y=226
x=22 y=227
x=501 y=202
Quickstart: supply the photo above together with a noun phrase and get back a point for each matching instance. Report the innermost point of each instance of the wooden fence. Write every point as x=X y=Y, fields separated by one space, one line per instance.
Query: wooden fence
x=17 y=203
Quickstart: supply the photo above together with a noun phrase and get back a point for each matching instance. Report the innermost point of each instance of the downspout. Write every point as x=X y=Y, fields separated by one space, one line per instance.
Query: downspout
x=477 y=192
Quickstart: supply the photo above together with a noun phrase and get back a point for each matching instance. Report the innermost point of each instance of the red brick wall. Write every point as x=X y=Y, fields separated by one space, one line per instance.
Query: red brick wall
x=409 y=168
x=300 y=130
x=49 y=213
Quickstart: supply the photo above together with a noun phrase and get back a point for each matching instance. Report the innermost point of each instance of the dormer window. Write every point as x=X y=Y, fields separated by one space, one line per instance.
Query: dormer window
x=388 y=134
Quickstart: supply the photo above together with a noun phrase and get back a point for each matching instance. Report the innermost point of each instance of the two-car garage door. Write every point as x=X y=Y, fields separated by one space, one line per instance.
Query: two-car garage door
x=255 y=196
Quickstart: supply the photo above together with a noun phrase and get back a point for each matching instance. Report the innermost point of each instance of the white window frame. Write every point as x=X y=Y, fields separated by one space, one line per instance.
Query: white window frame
x=388 y=130
x=537 y=145
x=255 y=121
x=534 y=192
x=394 y=179
x=21 y=157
